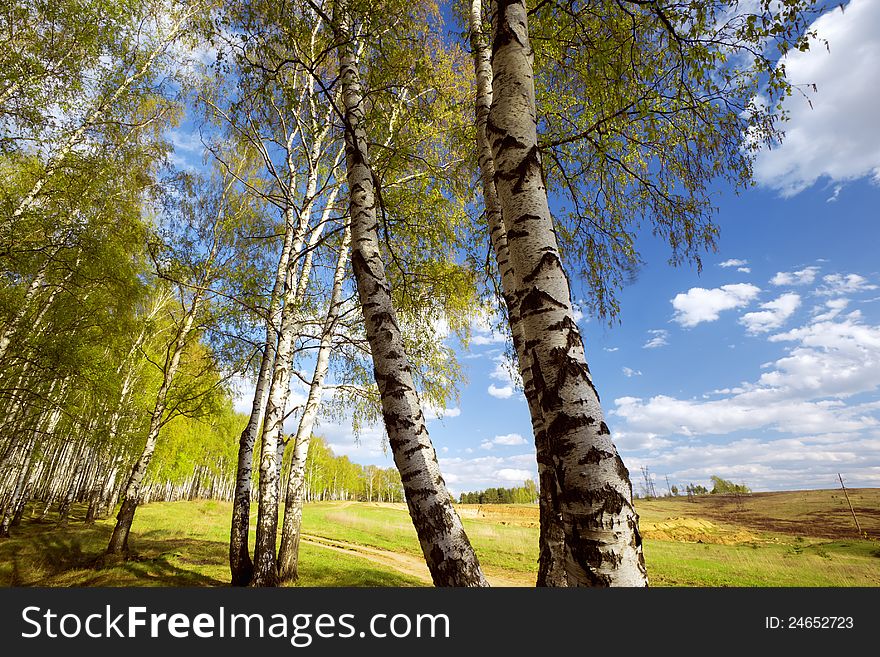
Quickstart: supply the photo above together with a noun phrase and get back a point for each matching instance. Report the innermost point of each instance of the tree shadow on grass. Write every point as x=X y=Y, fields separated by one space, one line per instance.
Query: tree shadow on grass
x=45 y=555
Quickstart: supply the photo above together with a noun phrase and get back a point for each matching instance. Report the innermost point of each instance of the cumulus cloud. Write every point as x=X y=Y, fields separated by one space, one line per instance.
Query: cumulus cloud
x=629 y=372
x=483 y=330
x=505 y=440
x=773 y=315
x=833 y=308
x=513 y=474
x=801 y=277
x=470 y=474
x=804 y=391
x=659 y=338
x=837 y=136
x=505 y=371
x=839 y=284
x=733 y=262
x=504 y=392
x=611 y=349
x=436 y=413
x=701 y=305
x=744 y=270
x=789 y=463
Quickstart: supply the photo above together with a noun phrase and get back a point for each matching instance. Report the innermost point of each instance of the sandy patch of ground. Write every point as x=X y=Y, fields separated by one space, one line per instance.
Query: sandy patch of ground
x=694 y=530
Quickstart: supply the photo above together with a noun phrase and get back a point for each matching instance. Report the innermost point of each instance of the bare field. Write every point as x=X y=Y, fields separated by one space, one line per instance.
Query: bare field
x=730 y=519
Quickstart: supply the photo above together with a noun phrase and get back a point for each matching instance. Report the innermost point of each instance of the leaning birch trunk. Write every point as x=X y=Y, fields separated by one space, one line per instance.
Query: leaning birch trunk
x=18 y=489
x=446 y=547
x=24 y=472
x=131 y=497
x=240 y=564
x=551 y=540
x=288 y=554
x=602 y=541
x=33 y=288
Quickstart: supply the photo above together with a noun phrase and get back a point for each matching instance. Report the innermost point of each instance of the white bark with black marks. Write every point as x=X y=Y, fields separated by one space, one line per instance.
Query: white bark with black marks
x=240 y=563
x=446 y=547
x=602 y=540
x=551 y=540
x=288 y=555
x=131 y=497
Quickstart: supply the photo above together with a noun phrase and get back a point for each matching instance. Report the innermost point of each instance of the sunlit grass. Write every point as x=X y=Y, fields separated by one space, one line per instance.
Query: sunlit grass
x=186 y=544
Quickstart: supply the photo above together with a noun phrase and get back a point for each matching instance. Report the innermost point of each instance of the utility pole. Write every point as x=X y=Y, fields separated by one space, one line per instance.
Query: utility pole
x=851 y=509
x=649 y=484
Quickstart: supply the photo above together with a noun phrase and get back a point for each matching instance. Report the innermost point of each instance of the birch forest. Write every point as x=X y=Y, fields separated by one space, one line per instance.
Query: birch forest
x=371 y=175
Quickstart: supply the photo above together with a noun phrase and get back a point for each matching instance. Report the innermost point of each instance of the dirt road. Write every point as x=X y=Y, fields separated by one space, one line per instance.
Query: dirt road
x=409 y=564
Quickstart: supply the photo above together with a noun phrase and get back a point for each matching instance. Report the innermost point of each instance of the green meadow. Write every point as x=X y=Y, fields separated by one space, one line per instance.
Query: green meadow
x=799 y=538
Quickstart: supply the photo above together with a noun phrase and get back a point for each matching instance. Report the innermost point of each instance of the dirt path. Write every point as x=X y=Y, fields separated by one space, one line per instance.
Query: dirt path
x=409 y=564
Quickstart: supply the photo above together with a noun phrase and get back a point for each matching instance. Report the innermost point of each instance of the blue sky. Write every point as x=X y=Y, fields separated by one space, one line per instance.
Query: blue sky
x=764 y=368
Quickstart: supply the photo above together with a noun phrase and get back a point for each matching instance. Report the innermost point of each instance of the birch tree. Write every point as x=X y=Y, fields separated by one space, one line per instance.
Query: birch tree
x=290 y=533
x=551 y=565
x=221 y=209
x=445 y=545
x=602 y=541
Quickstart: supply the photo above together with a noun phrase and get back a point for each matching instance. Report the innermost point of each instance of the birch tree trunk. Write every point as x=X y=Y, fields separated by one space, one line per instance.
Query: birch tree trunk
x=551 y=561
x=131 y=497
x=265 y=571
x=603 y=546
x=446 y=547
x=240 y=563
x=24 y=471
x=288 y=555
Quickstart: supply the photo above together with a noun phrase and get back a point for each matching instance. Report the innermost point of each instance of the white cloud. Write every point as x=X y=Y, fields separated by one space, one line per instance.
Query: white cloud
x=369 y=444
x=188 y=142
x=505 y=371
x=834 y=306
x=773 y=316
x=804 y=391
x=434 y=413
x=659 y=338
x=701 y=305
x=484 y=339
x=838 y=284
x=611 y=349
x=509 y=439
x=577 y=313
x=483 y=329
x=504 y=392
x=505 y=440
x=837 y=136
x=801 y=277
x=629 y=372
x=788 y=463
x=733 y=262
x=512 y=474
x=477 y=473
x=744 y=270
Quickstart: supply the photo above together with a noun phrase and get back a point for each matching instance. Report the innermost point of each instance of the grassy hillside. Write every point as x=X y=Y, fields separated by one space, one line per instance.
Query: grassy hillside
x=800 y=538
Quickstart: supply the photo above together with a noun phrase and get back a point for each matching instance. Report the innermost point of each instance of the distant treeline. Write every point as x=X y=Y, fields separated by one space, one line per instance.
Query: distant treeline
x=525 y=494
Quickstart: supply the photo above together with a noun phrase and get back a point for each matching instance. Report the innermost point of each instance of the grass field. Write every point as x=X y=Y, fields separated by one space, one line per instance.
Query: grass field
x=800 y=538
